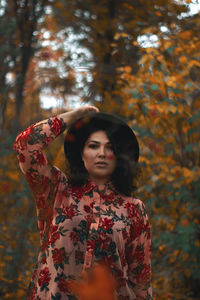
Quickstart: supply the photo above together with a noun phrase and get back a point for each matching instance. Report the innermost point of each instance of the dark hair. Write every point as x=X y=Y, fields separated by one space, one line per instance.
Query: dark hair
x=127 y=170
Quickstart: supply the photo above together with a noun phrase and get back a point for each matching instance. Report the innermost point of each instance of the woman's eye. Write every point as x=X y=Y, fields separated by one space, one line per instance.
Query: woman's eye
x=93 y=146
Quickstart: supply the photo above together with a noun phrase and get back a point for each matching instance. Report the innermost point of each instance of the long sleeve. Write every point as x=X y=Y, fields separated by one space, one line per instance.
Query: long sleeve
x=138 y=252
x=30 y=143
x=40 y=175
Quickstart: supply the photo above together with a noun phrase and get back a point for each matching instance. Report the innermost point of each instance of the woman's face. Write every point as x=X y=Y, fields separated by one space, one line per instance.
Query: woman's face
x=98 y=157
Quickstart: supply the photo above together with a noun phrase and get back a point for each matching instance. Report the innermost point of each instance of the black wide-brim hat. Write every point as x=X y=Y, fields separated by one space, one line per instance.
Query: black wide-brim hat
x=121 y=136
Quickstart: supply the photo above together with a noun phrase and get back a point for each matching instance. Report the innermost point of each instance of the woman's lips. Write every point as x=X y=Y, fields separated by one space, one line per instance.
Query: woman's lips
x=101 y=163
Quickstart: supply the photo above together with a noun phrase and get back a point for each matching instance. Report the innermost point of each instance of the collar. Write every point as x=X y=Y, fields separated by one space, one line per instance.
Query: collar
x=105 y=189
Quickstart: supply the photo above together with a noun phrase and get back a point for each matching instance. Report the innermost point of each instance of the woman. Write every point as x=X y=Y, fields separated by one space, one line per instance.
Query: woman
x=90 y=216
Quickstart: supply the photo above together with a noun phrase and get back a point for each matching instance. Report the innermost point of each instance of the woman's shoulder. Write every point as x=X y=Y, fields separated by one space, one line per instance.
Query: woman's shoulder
x=133 y=200
x=134 y=205
x=138 y=202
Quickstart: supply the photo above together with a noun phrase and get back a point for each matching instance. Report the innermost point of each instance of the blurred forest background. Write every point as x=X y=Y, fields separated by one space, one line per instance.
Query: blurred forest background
x=139 y=59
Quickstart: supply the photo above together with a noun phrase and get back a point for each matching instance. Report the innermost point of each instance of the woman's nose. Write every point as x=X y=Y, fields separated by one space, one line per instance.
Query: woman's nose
x=101 y=151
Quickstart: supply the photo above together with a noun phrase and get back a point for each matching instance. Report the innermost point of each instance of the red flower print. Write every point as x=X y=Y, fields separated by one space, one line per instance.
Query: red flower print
x=33 y=179
x=58 y=255
x=76 y=192
x=79 y=256
x=104 y=240
x=120 y=201
x=88 y=187
x=69 y=211
x=139 y=254
x=21 y=158
x=145 y=275
x=105 y=223
x=55 y=126
x=108 y=198
x=47 y=140
x=39 y=158
x=44 y=260
x=54 y=228
x=132 y=210
x=63 y=285
x=87 y=209
x=54 y=234
x=136 y=229
x=44 y=276
x=74 y=237
x=23 y=138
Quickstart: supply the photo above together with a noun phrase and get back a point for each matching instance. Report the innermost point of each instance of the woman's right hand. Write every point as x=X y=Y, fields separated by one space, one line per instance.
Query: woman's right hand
x=84 y=110
x=71 y=116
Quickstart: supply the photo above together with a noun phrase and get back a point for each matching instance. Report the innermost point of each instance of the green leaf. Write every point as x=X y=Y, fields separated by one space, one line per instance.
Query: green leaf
x=189 y=147
x=176 y=90
x=170 y=49
x=154 y=87
x=135 y=94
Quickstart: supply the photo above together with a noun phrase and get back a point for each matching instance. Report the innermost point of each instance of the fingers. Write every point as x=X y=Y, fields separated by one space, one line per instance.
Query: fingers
x=91 y=108
x=83 y=111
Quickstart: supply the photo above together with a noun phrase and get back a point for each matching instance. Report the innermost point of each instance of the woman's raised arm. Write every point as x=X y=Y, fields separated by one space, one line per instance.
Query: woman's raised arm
x=30 y=143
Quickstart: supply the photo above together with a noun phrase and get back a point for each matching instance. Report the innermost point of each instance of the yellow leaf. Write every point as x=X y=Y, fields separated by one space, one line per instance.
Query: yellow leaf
x=158 y=13
x=183 y=59
x=127 y=69
x=172 y=108
x=194 y=63
x=186 y=35
x=120 y=34
x=189 y=174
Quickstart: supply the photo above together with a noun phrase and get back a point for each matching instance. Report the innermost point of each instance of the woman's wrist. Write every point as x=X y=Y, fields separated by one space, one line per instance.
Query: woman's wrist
x=68 y=117
x=72 y=116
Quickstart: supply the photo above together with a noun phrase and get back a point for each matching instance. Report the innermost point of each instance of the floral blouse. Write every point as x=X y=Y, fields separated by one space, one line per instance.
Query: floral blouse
x=80 y=227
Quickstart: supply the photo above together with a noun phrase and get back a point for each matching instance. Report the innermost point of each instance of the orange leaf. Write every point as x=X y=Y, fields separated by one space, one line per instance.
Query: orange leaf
x=186 y=35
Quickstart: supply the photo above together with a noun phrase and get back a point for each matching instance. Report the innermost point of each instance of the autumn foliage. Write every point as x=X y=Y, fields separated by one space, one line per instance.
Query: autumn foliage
x=139 y=59
x=164 y=107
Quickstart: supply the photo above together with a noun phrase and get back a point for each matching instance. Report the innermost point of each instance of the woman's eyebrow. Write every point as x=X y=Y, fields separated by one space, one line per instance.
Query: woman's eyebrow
x=97 y=142
x=93 y=141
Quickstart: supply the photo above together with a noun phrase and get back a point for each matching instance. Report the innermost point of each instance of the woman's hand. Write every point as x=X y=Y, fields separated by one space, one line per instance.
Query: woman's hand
x=71 y=116
x=83 y=111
